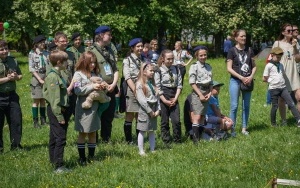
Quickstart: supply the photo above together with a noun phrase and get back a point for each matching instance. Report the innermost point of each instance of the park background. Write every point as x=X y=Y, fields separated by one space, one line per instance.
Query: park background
x=238 y=162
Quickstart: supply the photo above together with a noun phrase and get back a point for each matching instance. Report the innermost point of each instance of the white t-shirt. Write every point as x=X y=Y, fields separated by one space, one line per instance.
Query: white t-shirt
x=276 y=79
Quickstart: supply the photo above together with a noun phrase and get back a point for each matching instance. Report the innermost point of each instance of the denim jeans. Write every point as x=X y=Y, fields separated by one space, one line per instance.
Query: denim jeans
x=234 y=91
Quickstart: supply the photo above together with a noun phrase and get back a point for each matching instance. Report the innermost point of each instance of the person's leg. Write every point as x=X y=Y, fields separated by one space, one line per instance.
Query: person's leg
x=141 y=142
x=246 y=99
x=15 y=122
x=81 y=148
x=195 y=127
x=274 y=93
x=151 y=135
x=43 y=111
x=234 y=90
x=129 y=116
x=91 y=146
x=186 y=115
x=176 y=124
x=35 y=112
x=165 y=128
x=282 y=110
x=107 y=119
x=287 y=97
x=297 y=97
x=3 y=112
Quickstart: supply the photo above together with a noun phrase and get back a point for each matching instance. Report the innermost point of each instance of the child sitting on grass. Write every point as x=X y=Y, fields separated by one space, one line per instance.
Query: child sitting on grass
x=273 y=74
x=216 y=121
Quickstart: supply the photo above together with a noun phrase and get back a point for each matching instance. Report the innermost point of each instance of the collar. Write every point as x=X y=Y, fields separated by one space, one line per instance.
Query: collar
x=201 y=64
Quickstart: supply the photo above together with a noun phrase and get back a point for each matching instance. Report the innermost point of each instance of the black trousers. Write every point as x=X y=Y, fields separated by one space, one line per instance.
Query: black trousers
x=170 y=112
x=57 y=136
x=186 y=114
x=11 y=110
x=107 y=118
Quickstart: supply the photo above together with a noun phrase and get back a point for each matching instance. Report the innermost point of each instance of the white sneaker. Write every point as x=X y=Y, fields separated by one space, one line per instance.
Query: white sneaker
x=245 y=133
x=143 y=154
x=61 y=169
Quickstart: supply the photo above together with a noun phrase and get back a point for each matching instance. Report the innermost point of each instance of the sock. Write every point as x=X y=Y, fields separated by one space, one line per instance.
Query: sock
x=81 y=150
x=42 y=111
x=141 y=141
x=92 y=148
x=152 y=140
x=117 y=104
x=35 y=112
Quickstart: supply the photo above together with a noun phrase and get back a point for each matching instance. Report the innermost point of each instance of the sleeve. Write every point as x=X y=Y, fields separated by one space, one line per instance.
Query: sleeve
x=267 y=70
x=188 y=55
x=126 y=70
x=192 y=74
x=157 y=80
x=141 y=98
x=53 y=96
x=179 y=78
x=230 y=54
x=30 y=62
x=80 y=88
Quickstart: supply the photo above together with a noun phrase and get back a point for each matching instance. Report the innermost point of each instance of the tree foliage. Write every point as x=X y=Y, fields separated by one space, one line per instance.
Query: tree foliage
x=147 y=19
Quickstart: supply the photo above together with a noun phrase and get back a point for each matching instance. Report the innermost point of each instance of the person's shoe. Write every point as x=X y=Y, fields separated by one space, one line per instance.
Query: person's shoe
x=283 y=123
x=61 y=169
x=117 y=115
x=90 y=159
x=43 y=121
x=36 y=123
x=18 y=147
x=82 y=162
x=143 y=154
x=245 y=133
x=298 y=123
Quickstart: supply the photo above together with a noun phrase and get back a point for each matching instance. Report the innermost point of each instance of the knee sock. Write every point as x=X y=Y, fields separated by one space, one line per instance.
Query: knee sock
x=35 y=112
x=117 y=104
x=81 y=150
x=152 y=140
x=92 y=148
x=42 y=111
x=141 y=141
x=127 y=131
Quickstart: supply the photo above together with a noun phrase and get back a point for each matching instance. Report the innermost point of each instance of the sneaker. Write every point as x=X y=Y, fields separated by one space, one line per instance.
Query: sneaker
x=82 y=162
x=90 y=159
x=245 y=133
x=298 y=123
x=143 y=154
x=153 y=151
x=61 y=169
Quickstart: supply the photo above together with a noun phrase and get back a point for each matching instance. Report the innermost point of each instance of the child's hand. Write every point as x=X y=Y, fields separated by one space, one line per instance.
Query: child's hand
x=152 y=114
x=157 y=113
x=294 y=42
x=96 y=86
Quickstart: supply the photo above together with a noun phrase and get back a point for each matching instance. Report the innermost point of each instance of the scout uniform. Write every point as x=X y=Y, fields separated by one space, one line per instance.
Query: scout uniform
x=9 y=104
x=108 y=67
x=76 y=51
x=55 y=93
x=168 y=80
x=201 y=75
x=179 y=58
x=38 y=61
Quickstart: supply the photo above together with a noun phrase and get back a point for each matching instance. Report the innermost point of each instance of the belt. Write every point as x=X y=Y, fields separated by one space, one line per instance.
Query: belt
x=8 y=93
x=41 y=71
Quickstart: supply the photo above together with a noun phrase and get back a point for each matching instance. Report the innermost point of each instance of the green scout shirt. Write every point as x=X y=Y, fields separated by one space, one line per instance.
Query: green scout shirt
x=8 y=65
x=55 y=93
x=106 y=61
x=76 y=52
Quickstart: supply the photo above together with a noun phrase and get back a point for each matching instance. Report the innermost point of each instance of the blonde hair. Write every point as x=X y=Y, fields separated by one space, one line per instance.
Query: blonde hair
x=142 y=78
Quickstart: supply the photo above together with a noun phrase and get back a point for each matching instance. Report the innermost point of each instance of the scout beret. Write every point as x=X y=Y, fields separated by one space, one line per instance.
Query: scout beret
x=102 y=29
x=215 y=84
x=200 y=48
x=134 y=41
x=277 y=51
x=38 y=39
x=75 y=35
x=52 y=46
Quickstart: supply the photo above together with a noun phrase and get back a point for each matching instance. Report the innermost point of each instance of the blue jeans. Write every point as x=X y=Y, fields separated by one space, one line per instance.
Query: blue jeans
x=234 y=91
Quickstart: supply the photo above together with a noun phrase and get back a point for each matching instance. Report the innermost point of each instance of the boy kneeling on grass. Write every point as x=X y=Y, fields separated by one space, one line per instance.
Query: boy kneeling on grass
x=273 y=74
x=216 y=122
x=58 y=111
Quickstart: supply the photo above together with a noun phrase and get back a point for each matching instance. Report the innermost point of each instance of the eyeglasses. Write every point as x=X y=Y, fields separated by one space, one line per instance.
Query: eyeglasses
x=295 y=29
x=63 y=41
x=2 y=49
x=289 y=30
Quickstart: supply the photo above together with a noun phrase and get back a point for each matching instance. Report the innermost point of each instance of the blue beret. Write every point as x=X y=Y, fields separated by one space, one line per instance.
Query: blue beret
x=200 y=48
x=102 y=29
x=134 y=41
x=75 y=35
x=38 y=39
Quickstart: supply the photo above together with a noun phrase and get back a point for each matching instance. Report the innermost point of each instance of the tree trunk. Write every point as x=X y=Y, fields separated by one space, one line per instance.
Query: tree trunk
x=24 y=44
x=218 y=44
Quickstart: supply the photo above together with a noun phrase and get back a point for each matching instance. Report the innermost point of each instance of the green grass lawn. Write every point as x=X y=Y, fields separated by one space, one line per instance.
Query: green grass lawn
x=244 y=161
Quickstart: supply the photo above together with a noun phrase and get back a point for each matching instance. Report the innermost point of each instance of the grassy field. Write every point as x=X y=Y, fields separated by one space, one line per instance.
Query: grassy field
x=244 y=161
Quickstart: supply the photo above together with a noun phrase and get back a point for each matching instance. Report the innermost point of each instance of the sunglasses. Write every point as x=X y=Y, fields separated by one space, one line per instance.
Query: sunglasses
x=295 y=29
x=289 y=30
